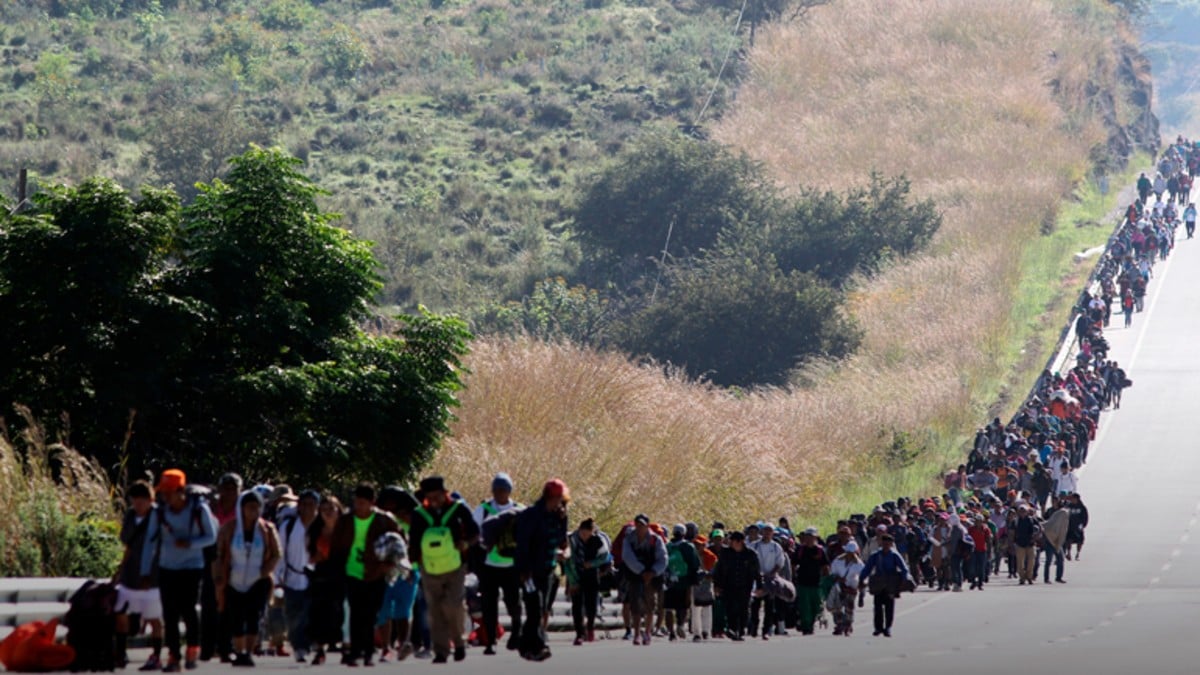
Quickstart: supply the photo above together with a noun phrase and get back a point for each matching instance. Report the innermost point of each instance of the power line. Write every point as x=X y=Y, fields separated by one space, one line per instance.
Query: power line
x=721 y=71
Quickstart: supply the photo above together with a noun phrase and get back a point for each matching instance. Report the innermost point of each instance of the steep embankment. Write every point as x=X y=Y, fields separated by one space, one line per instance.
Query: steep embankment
x=995 y=111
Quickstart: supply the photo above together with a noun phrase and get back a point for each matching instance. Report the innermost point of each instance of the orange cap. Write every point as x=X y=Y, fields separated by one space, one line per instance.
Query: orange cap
x=171 y=481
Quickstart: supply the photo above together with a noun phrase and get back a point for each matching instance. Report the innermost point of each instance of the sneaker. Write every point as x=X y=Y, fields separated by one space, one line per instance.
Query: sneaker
x=319 y=659
x=368 y=663
x=591 y=635
x=887 y=633
x=301 y=656
x=514 y=642
x=404 y=652
x=190 y=664
x=423 y=653
x=460 y=653
x=152 y=663
x=172 y=666
x=628 y=635
x=578 y=641
x=282 y=652
x=440 y=658
x=695 y=638
x=637 y=640
x=543 y=655
x=489 y=651
x=671 y=637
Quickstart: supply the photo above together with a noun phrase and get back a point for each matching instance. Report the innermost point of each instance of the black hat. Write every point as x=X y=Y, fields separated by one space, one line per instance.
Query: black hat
x=433 y=484
x=736 y=535
x=641 y=519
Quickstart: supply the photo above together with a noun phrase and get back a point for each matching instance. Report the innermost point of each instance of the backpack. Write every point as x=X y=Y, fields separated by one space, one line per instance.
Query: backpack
x=677 y=565
x=439 y=554
x=91 y=627
x=499 y=532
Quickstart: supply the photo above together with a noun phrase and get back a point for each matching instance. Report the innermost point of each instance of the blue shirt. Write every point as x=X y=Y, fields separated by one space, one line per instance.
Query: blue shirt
x=194 y=525
x=884 y=562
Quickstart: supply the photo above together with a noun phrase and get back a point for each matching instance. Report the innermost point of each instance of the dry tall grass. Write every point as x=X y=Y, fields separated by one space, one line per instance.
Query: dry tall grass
x=954 y=94
x=59 y=515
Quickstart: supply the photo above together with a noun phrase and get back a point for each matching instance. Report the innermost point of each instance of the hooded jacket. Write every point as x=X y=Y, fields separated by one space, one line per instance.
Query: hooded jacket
x=263 y=549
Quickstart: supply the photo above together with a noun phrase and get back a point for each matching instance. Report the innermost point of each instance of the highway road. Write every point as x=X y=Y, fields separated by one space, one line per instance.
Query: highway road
x=1132 y=605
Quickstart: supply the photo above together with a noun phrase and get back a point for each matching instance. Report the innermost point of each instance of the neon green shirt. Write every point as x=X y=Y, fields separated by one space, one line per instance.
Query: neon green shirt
x=355 y=566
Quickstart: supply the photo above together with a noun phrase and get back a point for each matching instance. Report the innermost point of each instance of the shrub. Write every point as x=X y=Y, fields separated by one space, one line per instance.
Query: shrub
x=344 y=51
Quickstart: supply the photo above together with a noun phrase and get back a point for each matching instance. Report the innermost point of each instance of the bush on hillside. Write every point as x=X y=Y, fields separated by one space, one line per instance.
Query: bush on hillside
x=739 y=320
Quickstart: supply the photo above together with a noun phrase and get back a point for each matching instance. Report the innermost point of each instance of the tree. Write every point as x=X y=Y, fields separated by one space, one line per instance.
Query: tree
x=231 y=330
x=737 y=319
x=692 y=189
x=836 y=236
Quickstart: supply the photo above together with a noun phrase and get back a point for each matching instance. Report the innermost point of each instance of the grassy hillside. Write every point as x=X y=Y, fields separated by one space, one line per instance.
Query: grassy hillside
x=447 y=131
x=998 y=112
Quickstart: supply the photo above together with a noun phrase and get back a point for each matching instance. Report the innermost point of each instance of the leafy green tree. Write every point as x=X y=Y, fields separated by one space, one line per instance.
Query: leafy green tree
x=224 y=335
x=835 y=236
x=692 y=189
x=739 y=320
x=555 y=311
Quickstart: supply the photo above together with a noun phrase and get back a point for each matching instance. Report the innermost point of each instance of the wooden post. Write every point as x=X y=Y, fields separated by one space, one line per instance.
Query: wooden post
x=22 y=186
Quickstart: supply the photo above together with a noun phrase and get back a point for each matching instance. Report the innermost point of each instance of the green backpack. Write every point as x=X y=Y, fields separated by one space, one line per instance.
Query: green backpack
x=439 y=555
x=677 y=565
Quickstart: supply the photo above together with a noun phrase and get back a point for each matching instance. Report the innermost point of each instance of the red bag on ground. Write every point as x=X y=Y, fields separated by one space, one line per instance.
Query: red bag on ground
x=31 y=649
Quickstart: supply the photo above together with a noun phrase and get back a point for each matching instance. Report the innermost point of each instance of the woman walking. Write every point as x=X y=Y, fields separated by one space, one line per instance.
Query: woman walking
x=326 y=614
x=845 y=571
x=248 y=552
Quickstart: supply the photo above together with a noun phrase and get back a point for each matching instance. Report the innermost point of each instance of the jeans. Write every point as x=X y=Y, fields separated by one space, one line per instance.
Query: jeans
x=979 y=566
x=885 y=611
x=178 y=590
x=365 y=599
x=536 y=596
x=494 y=582
x=244 y=611
x=1057 y=556
x=584 y=604
x=296 y=605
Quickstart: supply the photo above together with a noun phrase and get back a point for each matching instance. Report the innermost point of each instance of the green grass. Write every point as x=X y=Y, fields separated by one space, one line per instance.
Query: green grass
x=455 y=128
x=1050 y=282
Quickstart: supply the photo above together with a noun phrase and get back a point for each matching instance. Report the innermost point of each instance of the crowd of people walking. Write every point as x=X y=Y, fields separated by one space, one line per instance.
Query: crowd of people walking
x=420 y=573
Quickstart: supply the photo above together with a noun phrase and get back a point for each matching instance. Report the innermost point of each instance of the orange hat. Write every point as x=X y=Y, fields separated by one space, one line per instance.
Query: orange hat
x=172 y=480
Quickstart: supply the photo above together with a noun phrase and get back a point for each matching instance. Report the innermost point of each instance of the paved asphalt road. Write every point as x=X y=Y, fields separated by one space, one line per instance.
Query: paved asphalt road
x=1132 y=605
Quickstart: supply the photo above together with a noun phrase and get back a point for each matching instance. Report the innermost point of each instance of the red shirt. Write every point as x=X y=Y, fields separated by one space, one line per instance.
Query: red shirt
x=980 y=534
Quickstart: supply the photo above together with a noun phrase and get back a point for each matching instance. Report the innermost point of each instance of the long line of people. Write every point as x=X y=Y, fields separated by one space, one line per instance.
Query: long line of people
x=403 y=570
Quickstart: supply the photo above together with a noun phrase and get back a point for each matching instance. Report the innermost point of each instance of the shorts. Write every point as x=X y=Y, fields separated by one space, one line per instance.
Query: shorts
x=398 y=600
x=147 y=604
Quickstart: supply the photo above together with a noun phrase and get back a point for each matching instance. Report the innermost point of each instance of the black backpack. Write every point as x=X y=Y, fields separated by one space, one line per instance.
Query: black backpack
x=91 y=627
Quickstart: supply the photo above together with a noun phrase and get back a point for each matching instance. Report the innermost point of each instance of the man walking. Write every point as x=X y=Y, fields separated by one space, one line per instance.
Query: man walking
x=1024 y=532
x=497 y=575
x=293 y=536
x=735 y=577
x=645 y=560
x=541 y=540
x=886 y=571
x=772 y=561
x=353 y=544
x=442 y=531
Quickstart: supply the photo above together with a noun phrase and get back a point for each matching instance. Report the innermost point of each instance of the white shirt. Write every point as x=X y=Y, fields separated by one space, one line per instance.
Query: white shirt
x=1068 y=483
x=480 y=514
x=770 y=556
x=290 y=571
x=848 y=572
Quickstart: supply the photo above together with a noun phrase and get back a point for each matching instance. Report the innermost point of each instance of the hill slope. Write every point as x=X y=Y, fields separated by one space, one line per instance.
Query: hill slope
x=447 y=131
x=998 y=112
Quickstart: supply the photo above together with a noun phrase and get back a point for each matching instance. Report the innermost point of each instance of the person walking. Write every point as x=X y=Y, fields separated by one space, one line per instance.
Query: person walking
x=736 y=576
x=541 y=541
x=177 y=536
x=645 y=560
x=811 y=566
x=1025 y=530
x=1144 y=185
x=591 y=552
x=845 y=571
x=442 y=531
x=248 y=553
x=394 y=624
x=772 y=561
x=293 y=571
x=1054 y=536
x=326 y=579
x=1079 y=522
x=138 y=594
x=703 y=600
x=981 y=541
x=497 y=576
x=683 y=573
x=353 y=546
x=214 y=634
x=885 y=571
x=1127 y=306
